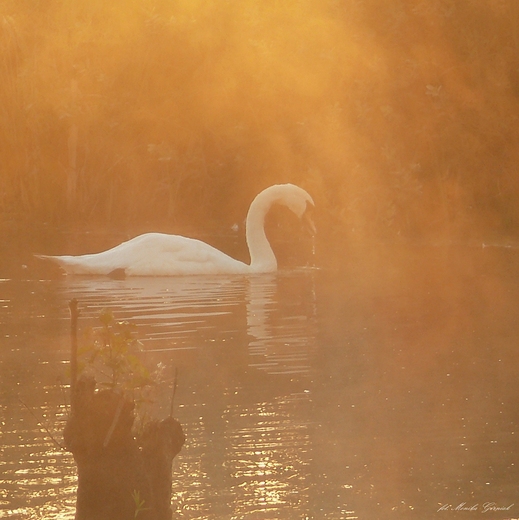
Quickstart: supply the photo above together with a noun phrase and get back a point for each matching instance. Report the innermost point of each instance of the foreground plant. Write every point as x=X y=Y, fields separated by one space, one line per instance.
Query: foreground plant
x=113 y=356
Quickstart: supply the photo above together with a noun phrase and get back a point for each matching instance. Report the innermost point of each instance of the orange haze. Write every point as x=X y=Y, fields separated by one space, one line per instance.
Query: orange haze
x=400 y=117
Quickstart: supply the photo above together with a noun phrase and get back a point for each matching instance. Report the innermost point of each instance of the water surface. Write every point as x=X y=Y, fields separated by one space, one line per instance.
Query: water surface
x=387 y=389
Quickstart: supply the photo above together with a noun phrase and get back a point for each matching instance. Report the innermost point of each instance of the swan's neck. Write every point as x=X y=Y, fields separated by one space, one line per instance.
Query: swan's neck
x=262 y=258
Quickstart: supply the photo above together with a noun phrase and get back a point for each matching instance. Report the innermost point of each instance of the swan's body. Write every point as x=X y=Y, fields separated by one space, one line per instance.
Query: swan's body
x=158 y=254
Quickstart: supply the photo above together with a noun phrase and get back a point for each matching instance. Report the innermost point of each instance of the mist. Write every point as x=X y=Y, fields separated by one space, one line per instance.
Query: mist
x=399 y=117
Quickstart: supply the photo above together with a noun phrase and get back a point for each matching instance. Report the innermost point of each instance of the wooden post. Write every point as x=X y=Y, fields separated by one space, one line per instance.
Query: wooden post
x=74 y=314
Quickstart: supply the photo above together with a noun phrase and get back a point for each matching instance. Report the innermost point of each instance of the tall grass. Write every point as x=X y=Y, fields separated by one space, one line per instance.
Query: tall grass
x=400 y=117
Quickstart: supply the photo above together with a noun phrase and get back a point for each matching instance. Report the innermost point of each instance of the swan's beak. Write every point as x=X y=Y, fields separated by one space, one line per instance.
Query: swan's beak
x=308 y=221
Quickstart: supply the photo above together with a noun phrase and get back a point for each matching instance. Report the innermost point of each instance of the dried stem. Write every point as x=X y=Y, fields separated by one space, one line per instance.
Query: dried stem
x=42 y=426
x=174 y=392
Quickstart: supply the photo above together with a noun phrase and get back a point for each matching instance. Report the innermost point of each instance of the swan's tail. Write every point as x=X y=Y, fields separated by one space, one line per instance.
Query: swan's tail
x=55 y=259
x=67 y=263
x=47 y=257
x=83 y=265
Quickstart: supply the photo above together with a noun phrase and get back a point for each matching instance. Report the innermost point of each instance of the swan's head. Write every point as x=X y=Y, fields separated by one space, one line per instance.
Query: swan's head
x=296 y=199
x=300 y=203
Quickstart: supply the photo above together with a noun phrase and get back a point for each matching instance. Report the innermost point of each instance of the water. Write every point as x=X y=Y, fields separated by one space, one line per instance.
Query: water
x=385 y=389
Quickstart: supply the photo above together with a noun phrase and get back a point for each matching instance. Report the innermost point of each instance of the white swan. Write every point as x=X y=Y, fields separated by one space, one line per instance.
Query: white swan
x=158 y=254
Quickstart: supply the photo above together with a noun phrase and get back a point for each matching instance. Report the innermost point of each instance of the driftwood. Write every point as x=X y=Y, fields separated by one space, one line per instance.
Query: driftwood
x=121 y=476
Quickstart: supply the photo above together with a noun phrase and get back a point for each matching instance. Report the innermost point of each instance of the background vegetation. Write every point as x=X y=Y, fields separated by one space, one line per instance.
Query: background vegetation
x=399 y=116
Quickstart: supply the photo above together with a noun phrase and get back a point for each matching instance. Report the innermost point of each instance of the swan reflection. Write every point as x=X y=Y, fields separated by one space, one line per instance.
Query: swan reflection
x=260 y=296
x=170 y=313
x=273 y=313
x=280 y=322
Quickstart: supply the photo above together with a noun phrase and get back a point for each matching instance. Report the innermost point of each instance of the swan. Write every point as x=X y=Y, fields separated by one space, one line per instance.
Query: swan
x=159 y=254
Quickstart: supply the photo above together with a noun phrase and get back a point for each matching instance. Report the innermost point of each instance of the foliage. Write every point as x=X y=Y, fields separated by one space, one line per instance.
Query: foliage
x=112 y=356
x=139 y=503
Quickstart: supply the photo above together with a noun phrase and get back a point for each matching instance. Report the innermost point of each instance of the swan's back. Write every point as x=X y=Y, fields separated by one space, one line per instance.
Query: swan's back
x=153 y=254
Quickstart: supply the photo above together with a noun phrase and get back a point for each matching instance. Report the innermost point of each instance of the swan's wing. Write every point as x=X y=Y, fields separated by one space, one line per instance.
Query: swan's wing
x=155 y=254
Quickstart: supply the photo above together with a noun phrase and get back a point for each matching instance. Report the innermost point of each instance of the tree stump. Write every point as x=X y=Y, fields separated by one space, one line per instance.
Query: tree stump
x=119 y=476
